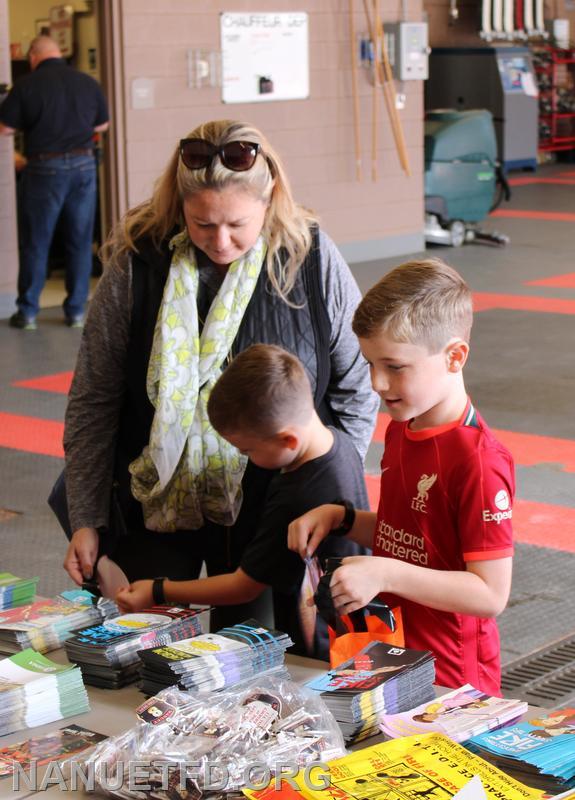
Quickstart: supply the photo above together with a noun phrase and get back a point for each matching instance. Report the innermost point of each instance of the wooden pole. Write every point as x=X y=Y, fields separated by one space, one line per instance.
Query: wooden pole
x=356 y=128
x=388 y=85
x=391 y=101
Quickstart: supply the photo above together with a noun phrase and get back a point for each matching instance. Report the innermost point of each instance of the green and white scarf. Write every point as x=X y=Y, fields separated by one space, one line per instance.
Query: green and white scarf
x=188 y=474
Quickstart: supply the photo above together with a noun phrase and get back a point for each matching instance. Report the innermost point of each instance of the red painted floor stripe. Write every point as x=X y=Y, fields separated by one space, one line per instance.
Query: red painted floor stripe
x=59 y=383
x=566 y=281
x=526 y=181
x=544 y=525
x=484 y=301
x=528 y=449
x=555 y=216
x=31 y=435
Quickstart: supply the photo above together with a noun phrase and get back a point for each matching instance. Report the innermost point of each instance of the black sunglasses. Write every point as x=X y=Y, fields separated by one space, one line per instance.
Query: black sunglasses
x=237 y=156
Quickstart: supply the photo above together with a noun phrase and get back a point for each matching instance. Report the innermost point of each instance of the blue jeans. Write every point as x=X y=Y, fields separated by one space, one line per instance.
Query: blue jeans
x=64 y=186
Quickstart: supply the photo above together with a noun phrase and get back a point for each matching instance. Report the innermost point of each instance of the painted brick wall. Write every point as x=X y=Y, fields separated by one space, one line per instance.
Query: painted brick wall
x=314 y=136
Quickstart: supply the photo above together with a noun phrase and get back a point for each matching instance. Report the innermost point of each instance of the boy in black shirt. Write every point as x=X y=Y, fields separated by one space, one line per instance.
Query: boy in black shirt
x=263 y=405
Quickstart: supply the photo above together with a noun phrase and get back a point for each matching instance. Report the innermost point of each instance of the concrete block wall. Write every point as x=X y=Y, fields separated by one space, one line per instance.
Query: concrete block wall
x=314 y=136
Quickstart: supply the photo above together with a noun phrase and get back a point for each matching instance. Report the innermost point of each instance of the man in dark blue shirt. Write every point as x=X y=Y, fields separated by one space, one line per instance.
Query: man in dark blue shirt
x=58 y=109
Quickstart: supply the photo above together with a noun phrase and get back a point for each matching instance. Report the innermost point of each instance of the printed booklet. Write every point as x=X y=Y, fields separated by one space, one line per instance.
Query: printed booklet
x=459 y=714
x=380 y=678
x=43 y=625
x=58 y=745
x=541 y=751
x=214 y=660
x=35 y=691
x=108 y=653
x=16 y=591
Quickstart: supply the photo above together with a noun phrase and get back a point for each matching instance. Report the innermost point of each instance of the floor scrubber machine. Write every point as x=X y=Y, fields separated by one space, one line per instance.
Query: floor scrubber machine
x=463 y=181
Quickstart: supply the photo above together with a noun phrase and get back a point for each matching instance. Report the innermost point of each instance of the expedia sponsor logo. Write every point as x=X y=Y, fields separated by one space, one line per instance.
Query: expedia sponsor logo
x=502 y=502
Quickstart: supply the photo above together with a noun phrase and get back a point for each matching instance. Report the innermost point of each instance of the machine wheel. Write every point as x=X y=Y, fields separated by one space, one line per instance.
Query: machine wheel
x=457 y=231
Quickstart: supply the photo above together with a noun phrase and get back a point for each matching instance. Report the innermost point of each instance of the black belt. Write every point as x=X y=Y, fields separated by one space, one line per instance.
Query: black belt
x=79 y=151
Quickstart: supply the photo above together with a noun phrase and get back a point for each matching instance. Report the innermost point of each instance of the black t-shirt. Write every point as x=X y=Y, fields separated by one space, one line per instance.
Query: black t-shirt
x=56 y=107
x=267 y=559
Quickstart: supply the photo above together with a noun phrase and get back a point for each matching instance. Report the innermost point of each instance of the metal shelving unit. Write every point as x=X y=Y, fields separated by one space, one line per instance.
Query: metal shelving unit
x=555 y=69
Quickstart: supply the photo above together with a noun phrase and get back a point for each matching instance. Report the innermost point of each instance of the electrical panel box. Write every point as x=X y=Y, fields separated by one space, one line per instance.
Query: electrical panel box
x=408 y=50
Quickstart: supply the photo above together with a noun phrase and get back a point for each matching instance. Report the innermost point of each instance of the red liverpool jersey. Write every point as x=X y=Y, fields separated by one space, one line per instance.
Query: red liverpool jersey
x=446 y=498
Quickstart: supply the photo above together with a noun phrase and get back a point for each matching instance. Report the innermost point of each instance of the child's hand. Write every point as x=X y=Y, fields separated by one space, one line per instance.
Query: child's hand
x=306 y=532
x=357 y=582
x=135 y=596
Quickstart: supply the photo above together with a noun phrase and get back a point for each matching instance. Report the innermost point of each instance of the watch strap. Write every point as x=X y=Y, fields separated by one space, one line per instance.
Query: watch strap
x=348 y=517
x=158 y=595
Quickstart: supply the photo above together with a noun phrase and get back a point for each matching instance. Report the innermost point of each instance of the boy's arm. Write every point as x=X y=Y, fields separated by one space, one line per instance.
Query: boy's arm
x=231 y=588
x=481 y=590
x=306 y=532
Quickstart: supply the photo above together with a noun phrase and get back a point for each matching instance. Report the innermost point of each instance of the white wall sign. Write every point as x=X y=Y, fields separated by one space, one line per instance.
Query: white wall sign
x=62 y=28
x=264 y=57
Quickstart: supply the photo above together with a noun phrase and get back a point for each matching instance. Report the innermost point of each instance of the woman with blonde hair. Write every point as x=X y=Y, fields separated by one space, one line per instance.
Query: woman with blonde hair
x=219 y=258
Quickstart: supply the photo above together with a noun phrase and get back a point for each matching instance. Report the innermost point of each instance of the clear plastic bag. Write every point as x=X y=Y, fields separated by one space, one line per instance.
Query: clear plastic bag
x=187 y=746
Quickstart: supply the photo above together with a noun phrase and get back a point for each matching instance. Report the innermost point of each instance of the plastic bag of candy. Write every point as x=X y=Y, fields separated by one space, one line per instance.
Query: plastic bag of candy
x=186 y=746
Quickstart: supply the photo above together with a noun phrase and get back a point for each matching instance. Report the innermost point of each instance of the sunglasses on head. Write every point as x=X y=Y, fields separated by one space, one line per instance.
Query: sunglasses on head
x=237 y=156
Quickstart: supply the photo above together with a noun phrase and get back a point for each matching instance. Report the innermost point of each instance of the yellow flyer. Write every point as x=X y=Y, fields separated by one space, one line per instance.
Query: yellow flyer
x=427 y=766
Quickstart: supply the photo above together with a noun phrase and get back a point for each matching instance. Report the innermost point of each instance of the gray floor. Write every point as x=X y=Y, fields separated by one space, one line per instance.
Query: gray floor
x=520 y=376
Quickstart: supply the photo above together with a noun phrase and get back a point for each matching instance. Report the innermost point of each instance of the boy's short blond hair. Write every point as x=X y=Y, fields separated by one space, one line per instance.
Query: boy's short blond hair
x=263 y=390
x=420 y=302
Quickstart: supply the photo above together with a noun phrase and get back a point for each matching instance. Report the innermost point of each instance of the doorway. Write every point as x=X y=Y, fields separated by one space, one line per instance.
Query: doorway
x=92 y=40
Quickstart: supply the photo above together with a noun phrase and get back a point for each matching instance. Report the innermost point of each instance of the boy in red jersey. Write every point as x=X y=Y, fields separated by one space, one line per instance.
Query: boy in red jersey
x=442 y=537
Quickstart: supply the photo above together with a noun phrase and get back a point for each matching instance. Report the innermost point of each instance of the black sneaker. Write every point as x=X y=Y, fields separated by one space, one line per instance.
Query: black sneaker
x=75 y=322
x=20 y=320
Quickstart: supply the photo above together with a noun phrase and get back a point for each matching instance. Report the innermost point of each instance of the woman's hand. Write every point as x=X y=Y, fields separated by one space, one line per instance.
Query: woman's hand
x=357 y=582
x=81 y=554
x=306 y=532
x=135 y=596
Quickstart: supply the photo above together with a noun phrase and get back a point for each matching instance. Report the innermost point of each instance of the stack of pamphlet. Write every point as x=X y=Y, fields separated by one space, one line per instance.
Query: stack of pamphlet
x=539 y=752
x=35 y=690
x=16 y=591
x=59 y=745
x=108 y=653
x=82 y=597
x=459 y=714
x=44 y=624
x=214 y=660
x=380 y=678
